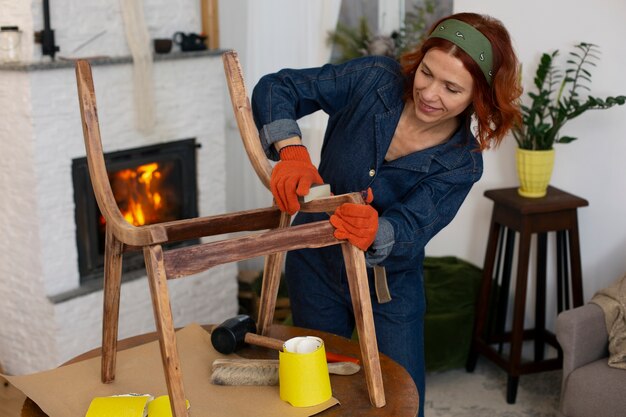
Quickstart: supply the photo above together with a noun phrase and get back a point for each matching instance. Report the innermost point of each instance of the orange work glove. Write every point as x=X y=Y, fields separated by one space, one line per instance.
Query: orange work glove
x=357 y=223
x=293 y=177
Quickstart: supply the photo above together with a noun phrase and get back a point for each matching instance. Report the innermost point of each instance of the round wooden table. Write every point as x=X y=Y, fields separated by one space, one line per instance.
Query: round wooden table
x=400 y=392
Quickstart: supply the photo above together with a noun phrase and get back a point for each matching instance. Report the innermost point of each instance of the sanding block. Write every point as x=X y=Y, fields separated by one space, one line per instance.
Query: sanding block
x=315 y=192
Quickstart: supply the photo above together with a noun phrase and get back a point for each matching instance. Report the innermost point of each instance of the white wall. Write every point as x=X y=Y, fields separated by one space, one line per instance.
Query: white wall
x=591 y=167
x=268 y=36
x=40 y=134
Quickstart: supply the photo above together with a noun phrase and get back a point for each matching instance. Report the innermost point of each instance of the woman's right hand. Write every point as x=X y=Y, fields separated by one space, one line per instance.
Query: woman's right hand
x=292 y=177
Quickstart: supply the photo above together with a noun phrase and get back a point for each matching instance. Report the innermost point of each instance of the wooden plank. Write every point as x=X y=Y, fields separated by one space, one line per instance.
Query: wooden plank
x=123 y=230
x=113 y=252
x=190 y=260
x=363 y=316
x=330 y=204
x=210 y=22
x=243 y=115
x=153 y=256
x=272 y=271
x=242 y=221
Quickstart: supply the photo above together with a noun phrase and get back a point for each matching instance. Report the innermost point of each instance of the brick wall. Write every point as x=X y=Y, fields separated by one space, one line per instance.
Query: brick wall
x=40 y=133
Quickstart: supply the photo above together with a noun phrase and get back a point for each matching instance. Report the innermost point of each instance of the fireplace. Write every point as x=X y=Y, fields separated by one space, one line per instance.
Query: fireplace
x=151 y=184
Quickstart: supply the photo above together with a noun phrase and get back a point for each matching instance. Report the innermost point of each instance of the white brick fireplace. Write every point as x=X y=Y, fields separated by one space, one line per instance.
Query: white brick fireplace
x=45 y=316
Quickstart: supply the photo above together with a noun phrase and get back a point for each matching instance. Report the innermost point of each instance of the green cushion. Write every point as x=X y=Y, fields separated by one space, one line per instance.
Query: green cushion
x=451 y=286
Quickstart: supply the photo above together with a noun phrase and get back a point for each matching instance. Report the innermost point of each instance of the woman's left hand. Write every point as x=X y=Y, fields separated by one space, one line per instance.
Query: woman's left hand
x=358 y=223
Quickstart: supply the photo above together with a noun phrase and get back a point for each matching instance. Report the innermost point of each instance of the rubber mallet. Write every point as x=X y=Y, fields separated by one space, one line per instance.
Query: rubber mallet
x=236 y=332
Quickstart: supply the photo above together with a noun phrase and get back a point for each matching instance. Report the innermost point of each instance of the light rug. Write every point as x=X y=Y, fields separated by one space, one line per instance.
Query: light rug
x=457 y=393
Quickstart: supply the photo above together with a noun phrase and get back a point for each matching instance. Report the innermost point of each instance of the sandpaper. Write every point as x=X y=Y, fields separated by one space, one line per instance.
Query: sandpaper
x=68 y=390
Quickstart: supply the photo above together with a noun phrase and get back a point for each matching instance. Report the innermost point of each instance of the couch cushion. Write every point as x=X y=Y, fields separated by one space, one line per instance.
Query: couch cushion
x=596 y=390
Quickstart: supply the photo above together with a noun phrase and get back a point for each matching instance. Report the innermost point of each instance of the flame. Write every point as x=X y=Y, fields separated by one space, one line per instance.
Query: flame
x=137 y=193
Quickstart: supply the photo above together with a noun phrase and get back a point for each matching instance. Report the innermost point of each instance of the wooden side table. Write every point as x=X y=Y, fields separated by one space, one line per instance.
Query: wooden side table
x=400 y=391
x=556 y=212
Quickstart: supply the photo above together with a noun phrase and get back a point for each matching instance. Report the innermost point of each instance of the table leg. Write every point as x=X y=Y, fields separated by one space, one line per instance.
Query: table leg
x=577 y=284
x=562 y=272
x=540 y=296
x=512 y=383
x=505 y=287
x=482 y=305
x=517 y=333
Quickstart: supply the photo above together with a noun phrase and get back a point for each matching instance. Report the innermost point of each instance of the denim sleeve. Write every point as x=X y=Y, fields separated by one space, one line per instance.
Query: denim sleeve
x=383 y=243
x=279 y=99
x=276 y=131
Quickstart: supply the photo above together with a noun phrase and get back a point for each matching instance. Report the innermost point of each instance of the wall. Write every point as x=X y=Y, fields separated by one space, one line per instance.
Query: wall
x=22 y=311
x=249 y=27
x=591 y=167
x=40 y=133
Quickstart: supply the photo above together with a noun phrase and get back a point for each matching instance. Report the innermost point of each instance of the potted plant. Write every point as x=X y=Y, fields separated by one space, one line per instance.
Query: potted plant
x=557 y=100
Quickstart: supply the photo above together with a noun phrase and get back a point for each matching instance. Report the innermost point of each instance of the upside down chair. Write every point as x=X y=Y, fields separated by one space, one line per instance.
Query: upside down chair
x=271 y=236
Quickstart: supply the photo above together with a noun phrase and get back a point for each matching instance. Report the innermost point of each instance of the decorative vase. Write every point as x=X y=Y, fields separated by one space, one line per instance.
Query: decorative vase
x=534 y=170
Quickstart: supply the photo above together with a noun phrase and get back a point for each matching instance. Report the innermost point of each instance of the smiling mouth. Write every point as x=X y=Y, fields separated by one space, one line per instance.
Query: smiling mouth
x=426 y=108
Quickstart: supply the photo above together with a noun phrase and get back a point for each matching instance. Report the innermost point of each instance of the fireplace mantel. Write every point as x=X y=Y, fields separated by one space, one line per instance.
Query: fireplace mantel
x=103 y=60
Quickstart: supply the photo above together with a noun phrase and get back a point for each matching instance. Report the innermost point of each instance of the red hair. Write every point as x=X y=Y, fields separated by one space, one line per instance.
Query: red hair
x=496 y=107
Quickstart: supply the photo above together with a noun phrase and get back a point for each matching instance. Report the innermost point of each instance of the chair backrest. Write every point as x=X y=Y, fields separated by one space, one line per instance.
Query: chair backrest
x=124 y=231
x=243 y=114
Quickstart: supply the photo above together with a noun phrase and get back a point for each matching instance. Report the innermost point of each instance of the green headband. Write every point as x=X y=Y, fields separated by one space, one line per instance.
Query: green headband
x=470 y=40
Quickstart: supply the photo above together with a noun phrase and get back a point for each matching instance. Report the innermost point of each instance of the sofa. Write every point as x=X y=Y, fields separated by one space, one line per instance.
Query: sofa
x=591 y=388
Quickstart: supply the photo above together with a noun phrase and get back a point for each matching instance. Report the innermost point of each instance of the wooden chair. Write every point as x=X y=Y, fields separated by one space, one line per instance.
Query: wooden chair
x=272 y=237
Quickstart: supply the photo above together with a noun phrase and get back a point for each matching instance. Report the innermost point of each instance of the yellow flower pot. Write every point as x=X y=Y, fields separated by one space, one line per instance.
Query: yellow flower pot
x=534 y=170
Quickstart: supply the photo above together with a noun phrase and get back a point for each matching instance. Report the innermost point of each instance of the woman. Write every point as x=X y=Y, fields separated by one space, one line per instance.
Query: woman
x=402 y=132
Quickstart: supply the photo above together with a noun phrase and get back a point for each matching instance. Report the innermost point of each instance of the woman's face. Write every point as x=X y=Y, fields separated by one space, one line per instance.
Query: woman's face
x=442 y=87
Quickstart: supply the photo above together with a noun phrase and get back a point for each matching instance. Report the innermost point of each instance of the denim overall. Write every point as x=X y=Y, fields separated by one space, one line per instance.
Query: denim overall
x=415 y=196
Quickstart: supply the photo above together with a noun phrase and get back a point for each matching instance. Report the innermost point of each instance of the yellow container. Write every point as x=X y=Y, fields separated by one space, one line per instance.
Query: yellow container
x=534 y=170
x=160 y=407
x=131 y=405
x=303 y=372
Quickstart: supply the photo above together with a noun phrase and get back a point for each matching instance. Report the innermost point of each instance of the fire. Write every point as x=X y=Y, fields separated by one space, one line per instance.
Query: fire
x=137 y=192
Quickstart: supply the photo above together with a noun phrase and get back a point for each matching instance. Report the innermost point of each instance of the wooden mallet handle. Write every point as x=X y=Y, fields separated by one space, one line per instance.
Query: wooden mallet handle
x=263 y=341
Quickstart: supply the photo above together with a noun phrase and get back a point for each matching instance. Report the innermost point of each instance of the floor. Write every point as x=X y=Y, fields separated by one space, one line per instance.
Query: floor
x=482 y=393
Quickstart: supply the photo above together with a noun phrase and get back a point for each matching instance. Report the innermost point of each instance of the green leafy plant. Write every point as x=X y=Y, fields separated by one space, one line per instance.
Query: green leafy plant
x=558 y=98
x=354 y=42
x=414 y=28
x=351 y=42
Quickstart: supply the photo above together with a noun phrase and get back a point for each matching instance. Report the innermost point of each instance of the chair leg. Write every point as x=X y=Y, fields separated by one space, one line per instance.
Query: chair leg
x=113 y=251
x=362 y=305
x=153 y=256
x=271 y=281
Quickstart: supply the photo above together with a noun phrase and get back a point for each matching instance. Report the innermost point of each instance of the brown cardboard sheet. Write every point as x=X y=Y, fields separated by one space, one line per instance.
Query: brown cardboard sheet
x=67 y=391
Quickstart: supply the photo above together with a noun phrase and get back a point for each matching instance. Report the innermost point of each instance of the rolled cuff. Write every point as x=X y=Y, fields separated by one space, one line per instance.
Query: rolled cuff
x=277 y=131
x=383 y=243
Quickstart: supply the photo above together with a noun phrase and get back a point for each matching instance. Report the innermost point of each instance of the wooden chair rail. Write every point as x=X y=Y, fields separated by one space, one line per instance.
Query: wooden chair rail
x=241 y=221
x=243 y=115
x=123 y=230
x=190 y=260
